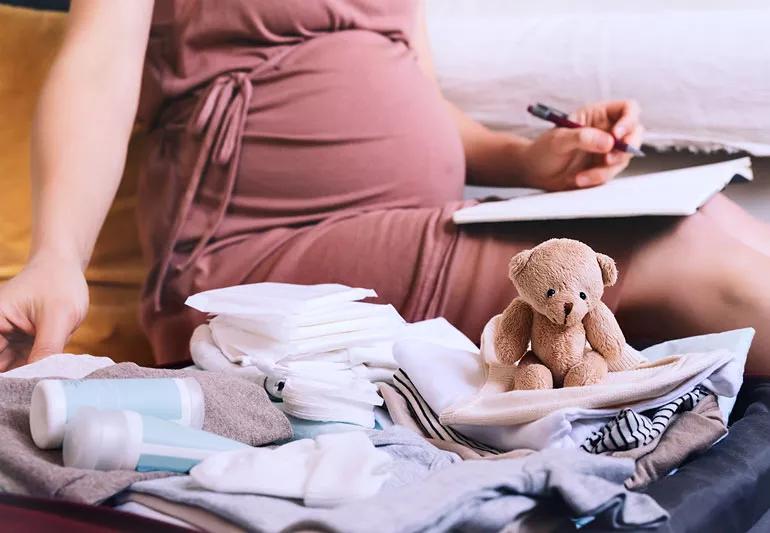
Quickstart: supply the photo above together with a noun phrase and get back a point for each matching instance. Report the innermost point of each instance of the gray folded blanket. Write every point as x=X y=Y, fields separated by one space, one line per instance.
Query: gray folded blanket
x=235 y=408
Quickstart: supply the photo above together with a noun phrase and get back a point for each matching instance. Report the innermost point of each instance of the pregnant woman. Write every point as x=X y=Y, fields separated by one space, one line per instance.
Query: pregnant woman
x=307 y=142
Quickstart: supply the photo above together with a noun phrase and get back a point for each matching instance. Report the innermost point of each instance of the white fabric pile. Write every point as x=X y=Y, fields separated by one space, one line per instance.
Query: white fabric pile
x=325 y=472
x=319 y=346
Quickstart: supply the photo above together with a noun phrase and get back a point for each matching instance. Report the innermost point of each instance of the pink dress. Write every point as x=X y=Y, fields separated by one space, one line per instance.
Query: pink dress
x=299 y=141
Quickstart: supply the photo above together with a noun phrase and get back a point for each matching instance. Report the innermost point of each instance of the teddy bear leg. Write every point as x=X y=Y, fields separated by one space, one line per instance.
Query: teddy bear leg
x=590 y=371
x=531 y=374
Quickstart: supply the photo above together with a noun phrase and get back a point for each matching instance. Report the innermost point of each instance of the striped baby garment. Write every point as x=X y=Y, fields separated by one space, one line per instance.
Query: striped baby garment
x=427 y=419
x=630 y=430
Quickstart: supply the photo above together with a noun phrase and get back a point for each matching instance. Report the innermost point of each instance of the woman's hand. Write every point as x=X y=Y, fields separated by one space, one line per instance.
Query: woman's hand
x=39 y=310
x=564 y=158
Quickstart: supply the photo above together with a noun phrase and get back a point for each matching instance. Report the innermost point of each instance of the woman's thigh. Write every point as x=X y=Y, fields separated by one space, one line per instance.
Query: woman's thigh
x=678 y=276
x=739 y=223
x=696 y=278
x=478 y=287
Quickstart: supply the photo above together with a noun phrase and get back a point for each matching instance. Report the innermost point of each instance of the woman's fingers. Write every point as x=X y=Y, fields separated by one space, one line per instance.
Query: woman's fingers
x=590 y=140
x=616 y=158
x=624 y=115
x=593 y=177
x=633 y=138
x=52 y=330
x=7 y=352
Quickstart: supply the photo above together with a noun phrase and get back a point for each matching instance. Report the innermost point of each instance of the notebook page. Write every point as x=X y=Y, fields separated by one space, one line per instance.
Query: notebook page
x=668 y=193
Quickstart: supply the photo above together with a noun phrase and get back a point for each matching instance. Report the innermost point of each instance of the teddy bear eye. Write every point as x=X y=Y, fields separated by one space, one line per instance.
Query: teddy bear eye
x=583 y=295
x=550 y=292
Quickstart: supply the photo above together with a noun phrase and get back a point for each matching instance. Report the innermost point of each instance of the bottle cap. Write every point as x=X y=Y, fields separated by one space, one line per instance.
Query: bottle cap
x=193 y=402
x=103 y=440
x=48 y=414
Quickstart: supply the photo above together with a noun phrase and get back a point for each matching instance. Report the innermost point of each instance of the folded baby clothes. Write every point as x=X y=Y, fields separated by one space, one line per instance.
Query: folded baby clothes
x=341 y=318
x=428 y=421
x=447 y=376
x=325 y=472
x=247 y=348
x=331 y=386
x=405 y=404
x=650 y=385
x=632 y=430
x=319 y=349
x=467 y=496
x=262 y=323
x=690 y=433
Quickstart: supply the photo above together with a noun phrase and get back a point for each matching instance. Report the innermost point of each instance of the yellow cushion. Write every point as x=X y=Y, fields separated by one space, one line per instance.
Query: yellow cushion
x=29 y=40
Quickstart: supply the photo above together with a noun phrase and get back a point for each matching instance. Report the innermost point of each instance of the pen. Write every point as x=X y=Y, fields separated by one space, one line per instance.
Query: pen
x=560 y=119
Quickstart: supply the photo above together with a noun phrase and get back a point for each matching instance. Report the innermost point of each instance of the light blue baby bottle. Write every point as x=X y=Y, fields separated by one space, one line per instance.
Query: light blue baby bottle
x=127 y=440
x=56 y=401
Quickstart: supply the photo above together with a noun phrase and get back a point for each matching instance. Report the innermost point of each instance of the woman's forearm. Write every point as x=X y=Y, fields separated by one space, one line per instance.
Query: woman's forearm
x=492 y=158
x=82 y=125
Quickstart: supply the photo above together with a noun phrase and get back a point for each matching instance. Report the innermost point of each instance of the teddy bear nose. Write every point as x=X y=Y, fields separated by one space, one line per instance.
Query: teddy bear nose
x=567 y=308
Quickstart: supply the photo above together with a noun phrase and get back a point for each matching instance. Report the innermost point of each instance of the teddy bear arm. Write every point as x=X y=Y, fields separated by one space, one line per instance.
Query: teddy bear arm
x=514 y=332
x=605 y=336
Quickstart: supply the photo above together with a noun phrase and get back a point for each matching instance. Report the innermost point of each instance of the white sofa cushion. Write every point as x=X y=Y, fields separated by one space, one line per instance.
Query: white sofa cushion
x=701 y=73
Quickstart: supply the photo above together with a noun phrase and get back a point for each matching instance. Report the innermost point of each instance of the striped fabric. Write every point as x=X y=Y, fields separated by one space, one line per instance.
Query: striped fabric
x=428 y=420
x=629 y=430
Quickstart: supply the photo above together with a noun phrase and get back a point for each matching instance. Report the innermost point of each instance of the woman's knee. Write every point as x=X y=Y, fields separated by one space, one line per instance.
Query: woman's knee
x=690 y=258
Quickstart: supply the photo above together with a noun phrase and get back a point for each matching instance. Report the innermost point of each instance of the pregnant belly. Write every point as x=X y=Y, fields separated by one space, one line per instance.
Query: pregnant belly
x=345 y=121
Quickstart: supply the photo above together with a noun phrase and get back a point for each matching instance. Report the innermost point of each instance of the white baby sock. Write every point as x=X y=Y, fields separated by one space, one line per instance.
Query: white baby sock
x=331 y=470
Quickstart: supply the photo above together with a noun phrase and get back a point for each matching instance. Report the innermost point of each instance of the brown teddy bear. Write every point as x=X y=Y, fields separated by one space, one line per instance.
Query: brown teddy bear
x=560 y=284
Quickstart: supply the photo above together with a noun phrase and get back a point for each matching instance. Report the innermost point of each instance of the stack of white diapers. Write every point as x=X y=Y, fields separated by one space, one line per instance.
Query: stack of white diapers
x=320 y=347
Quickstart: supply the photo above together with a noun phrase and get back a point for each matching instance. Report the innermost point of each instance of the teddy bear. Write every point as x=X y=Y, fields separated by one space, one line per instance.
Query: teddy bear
x=560 y=283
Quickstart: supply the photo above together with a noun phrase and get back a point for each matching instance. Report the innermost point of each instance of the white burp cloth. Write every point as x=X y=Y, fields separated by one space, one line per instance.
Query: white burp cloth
x=270 y=298
x=341 y=318
x=248 y=348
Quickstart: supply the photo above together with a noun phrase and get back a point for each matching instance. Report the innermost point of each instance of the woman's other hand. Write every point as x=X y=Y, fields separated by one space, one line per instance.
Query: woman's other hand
x=564 y=158
x=39 y=310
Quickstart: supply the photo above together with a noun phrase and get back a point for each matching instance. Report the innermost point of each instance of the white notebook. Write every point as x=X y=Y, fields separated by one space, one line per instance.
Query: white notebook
x=669 y=193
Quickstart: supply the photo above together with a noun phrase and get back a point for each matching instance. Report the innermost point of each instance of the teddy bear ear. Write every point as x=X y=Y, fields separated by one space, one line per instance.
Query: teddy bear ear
x=608 y=268
x=518 y=262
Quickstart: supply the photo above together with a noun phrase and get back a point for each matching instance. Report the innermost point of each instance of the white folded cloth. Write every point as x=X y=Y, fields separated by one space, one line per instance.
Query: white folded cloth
x=247 y=348
x=340 y=318
x=61 y=365
x=272 y=298
x=334 y=386
x=319 y=349
x=331 y=470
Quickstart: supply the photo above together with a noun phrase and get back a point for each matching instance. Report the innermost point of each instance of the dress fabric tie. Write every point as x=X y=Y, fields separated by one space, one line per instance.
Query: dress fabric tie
x=219 y=120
